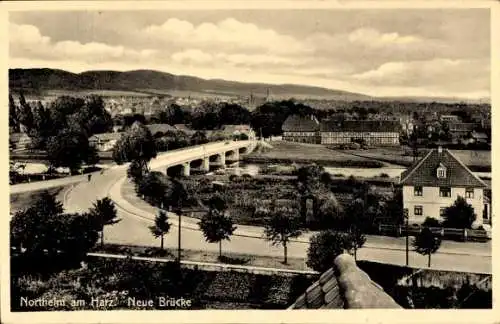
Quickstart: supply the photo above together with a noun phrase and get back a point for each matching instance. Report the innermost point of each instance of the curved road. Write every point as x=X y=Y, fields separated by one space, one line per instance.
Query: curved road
x=136 y=216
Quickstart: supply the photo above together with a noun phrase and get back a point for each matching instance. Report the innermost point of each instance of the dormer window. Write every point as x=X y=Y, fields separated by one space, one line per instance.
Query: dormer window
x=441 y=171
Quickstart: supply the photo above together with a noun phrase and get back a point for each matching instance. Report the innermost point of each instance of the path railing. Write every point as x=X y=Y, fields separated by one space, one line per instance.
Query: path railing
x=443 y=232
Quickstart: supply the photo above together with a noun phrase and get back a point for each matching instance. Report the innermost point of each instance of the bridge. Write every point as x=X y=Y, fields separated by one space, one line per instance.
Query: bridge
x=202 y=157
x=175 y=161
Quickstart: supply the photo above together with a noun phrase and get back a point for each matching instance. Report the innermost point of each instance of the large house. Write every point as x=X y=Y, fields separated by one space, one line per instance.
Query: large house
x=459 y=131
x=434 y=183
x=372 y=132
x=302 y=129
x=235 y=130
x=105 y=141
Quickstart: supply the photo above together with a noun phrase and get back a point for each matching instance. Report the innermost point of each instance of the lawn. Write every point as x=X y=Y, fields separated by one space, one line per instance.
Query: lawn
x=284 y=152
x=211 y=257
x=24 y=200
x=474 y=159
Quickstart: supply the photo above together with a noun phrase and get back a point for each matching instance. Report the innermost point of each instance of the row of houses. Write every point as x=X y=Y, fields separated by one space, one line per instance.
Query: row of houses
x=307 y=129
x=106 y=141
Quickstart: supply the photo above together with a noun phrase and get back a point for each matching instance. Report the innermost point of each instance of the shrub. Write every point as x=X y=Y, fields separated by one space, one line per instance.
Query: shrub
x=431 y=222
x=324 y=247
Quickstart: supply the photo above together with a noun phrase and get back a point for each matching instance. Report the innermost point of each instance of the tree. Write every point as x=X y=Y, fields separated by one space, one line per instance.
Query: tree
x=459 y=215
x=13 y=114
x=136 y=144
x=43 y=126
x=135 y=172
x=309 y=185
x=354 y=240
x=25 y=114
x=155 y=188
x=330 y=213
x=161 y=227
x=43 y=230
x=68 y=149
x=324 y=247
x=280 y=226
x=92 y=156
x=199 y=138
x=104 y=213
x=431 y=222
x=217 y=227
x=426 y=243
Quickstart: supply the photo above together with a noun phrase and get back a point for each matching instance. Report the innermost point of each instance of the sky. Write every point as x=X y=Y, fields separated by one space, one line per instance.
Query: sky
x=379 y=52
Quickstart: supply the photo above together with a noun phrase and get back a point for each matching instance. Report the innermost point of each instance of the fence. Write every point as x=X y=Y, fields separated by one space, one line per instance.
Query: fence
x=446 y=233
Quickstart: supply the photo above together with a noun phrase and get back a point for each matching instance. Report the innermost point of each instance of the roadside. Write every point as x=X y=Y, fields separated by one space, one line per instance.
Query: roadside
x=206 y=256
x=124 y=196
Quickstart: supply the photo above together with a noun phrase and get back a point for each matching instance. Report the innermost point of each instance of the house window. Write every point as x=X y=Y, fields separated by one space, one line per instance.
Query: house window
x=445 y=192
x=441 y=171
x=417 y=191
x=469 y=193
x=418 y=210
x=441 y=211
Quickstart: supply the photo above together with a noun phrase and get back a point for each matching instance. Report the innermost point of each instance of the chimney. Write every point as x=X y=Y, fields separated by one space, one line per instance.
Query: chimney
x=440 y=149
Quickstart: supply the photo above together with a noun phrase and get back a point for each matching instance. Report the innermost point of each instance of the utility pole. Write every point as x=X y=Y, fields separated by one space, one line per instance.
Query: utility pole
x=405 y=214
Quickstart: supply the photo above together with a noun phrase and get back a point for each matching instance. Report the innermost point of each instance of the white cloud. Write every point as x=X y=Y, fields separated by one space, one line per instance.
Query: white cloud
x=26 y=40
x=374 y=38
x=27 y=35
x=454 y=75
x=226 y=35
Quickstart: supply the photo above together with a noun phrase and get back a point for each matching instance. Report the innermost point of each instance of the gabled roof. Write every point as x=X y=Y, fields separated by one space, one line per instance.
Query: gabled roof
x=344 y=286
x=236 y=128
x=423 y=172
x=160 y=128
x=106 y=136
x=361 y=126
x=296 y=123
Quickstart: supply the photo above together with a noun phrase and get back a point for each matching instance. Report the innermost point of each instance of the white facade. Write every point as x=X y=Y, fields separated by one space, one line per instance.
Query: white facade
x=430 y=202
x=371 y=138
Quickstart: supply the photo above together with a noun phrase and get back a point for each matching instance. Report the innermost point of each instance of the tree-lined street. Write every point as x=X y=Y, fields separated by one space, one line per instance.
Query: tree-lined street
x=136 y=216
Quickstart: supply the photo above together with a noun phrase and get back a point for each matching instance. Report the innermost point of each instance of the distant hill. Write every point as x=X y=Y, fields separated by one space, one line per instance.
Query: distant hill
x=38 y=81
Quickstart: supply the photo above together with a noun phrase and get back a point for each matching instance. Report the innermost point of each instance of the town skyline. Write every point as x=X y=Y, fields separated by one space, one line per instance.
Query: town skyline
x=364 y=51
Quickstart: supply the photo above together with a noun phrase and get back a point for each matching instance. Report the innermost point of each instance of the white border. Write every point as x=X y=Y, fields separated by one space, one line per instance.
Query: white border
x=257 y=316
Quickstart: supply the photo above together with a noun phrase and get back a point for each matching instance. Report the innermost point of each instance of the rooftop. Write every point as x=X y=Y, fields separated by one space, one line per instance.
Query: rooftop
x=423 y=172
x=161 y=128
x=106 y=136
x=344 y=286
x=296 y=123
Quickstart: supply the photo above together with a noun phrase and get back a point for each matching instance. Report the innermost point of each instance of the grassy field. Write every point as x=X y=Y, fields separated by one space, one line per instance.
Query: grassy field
x=308 y=153
x=23 y=200
x=399 y=155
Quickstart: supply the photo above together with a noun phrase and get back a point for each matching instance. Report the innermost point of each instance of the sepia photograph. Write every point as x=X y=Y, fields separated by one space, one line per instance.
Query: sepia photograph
x=259 y=158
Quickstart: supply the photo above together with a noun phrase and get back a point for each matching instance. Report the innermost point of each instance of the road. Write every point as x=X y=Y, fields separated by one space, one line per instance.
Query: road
x=136 y=216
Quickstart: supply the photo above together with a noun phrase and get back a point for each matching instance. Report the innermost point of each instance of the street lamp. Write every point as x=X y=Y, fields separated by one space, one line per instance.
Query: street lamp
x=178 y=212
x=405 y=215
